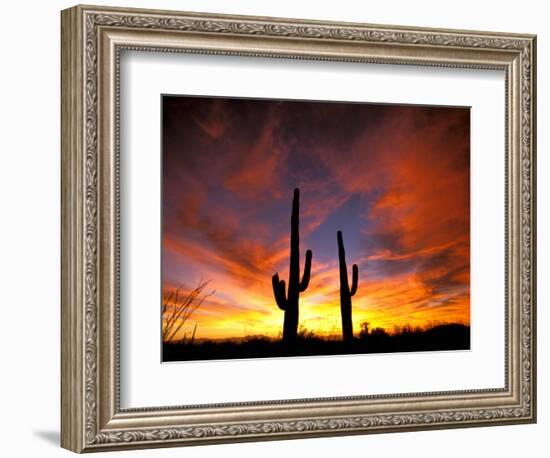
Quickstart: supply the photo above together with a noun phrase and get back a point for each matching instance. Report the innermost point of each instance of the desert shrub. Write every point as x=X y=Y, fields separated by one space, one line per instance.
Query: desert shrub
x=177 y=308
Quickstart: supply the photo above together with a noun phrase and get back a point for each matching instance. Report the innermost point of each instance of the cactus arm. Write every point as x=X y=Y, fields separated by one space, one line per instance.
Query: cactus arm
x=279 y=291
x=307 y=272
x=354 y=281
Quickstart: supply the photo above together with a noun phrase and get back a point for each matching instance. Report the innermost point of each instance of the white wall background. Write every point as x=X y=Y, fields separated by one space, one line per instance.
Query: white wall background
x=29 y=232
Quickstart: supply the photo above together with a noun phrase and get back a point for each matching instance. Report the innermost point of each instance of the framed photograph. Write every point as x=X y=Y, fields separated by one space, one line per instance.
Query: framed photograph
x=278 y=228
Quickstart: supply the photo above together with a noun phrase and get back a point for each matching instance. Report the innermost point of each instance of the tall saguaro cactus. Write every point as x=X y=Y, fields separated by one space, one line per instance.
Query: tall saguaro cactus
x=289 y=302
x=345 y=292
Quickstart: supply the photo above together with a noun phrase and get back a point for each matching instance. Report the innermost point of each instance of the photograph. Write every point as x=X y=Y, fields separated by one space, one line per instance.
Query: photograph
x=313 y=228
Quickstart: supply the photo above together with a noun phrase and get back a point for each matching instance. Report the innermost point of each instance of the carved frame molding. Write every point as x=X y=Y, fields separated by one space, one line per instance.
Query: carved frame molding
x=92 y=39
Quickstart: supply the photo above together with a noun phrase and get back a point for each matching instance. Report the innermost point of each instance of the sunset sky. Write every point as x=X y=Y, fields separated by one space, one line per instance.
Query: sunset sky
x=394 y=179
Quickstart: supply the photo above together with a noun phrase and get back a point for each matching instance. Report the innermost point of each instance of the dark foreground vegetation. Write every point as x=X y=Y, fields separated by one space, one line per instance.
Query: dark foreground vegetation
x=437 y=337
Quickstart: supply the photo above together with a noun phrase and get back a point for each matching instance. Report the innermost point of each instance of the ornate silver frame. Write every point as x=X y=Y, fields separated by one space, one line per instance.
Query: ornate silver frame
x=92 y=39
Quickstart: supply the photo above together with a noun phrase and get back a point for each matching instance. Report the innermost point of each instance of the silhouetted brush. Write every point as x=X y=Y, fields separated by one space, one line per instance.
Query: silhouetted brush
x=345 y=292
x=193 y=335
x=289 y=302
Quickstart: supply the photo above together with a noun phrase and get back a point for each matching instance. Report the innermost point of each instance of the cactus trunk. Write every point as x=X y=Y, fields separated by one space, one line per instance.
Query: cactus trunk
x=345 y=292
x=289 y=303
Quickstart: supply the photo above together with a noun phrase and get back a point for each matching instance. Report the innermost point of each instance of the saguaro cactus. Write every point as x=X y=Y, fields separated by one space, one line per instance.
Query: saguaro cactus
x=345 y=292
x=289 y=302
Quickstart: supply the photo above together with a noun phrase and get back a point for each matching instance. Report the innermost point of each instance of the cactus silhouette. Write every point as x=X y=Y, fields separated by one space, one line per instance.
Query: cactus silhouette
x=345 y=292
x=288 y=302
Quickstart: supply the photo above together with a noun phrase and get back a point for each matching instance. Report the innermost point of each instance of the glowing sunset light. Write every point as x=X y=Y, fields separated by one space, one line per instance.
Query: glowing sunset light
x=394 y=179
